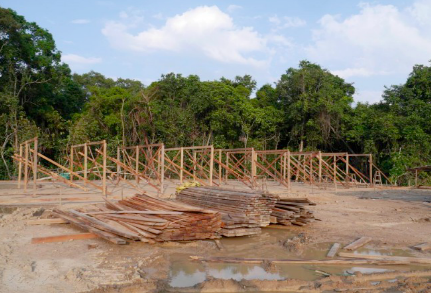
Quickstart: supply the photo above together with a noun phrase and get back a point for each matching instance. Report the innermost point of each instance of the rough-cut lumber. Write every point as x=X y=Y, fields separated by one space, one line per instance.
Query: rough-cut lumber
x=62 y=238
x=243 y=212
x=358 y=243
x=47 y=221
x=293 y=211
x=298 y=261
x=423 y=246
x=147 y=219
x=387 y=258
x=333 y=251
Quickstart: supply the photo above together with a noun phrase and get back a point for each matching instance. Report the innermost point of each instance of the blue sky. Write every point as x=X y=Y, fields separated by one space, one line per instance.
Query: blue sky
x=372 y=44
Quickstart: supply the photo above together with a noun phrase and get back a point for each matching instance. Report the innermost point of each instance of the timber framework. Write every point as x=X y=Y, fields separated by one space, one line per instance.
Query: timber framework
x=89 y=166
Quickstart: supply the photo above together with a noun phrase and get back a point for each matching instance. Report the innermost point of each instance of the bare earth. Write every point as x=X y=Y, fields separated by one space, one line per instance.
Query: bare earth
x=395 y=219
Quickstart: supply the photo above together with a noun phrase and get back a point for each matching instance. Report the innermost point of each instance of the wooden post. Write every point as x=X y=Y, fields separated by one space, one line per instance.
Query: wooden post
x=371 y=171
x=119 y=160
x=335 y=172
x=85 y=160
x=137 y=163
x=26 y=167
x=162 y=167
x=35 y=166
x=253 y=166
x=288 y=170
x=211 y=165
x=311 y=168
x=194 y=164
x=284 y=166
x=181 y=164
x=71 y=163
x=104 y=169
x=347 y=168
x=219 y=167
x=320 y=167
x=227 y=165
x=416 y=178
x=20 y=167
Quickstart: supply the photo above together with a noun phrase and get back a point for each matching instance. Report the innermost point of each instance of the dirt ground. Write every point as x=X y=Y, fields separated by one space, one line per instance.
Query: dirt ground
x=396 y=220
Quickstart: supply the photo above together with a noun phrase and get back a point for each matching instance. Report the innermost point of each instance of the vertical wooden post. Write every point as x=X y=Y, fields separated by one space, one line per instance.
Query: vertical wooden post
x=284 y=166
x=304 y=171
x=227 y=165
x=311 y=168
x=371 y=171
x=85 y=161
x=219 y=166
x=194 y=164
x=71 y=163
x=162 y=167
x=35 y=166
x=253 y=166
x=211 y=165
x=104 y=169
x=416 y=178
x=119 y=160
x=20 y=167
x=181 y=164
x=335 y=172
x=347 y=168
x=288 y=171
x=320 y=167
x=26 y=167
x=137 y=163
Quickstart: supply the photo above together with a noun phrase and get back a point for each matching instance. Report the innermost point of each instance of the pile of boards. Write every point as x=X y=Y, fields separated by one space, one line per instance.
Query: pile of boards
x=243 y=212
x=288 y=211
x=147 y=219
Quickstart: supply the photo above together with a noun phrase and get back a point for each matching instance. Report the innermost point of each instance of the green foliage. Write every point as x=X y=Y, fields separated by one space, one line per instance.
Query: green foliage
x=308 y=108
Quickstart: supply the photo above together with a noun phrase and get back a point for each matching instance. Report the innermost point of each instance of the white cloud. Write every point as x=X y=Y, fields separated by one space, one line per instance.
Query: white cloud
x=158 y=16
x=206 y=30
x=79 y=60
x=380 y=39
x=286 y=21
x=80 y=21
x=231 y=8
x=421 y=11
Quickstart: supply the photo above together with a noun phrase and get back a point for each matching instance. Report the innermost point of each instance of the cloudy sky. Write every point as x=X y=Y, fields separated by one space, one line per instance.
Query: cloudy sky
x=372 y=44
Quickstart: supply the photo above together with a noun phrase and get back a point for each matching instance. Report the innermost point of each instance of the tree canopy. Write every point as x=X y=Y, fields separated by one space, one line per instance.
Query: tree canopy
x=308 y=108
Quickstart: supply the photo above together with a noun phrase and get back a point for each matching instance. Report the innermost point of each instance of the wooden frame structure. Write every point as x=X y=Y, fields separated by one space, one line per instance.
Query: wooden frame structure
x=152 y=164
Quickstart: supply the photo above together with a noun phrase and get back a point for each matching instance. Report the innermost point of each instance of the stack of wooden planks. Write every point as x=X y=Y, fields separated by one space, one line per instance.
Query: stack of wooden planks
x=288 y=211
x=243 y=212
x=147 y=219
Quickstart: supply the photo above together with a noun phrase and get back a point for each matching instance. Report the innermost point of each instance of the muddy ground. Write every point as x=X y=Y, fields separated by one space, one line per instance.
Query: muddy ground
x=396 y=219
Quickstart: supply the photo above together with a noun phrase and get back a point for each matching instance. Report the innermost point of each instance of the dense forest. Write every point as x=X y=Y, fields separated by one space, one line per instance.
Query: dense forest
x=308 y=108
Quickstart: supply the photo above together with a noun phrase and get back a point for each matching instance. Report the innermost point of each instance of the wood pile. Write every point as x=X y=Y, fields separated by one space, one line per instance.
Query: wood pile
x=147 y=219
x=288 y=211
x=243 y=212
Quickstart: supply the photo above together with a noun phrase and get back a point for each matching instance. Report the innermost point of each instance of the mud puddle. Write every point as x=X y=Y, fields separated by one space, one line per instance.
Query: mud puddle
x=184 y=272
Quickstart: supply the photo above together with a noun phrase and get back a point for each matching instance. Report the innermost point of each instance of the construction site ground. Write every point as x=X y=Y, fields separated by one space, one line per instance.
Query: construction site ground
x=396 y=219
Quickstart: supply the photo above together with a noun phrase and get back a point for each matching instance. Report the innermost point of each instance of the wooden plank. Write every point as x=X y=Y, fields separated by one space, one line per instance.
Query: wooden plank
x=423 y=246
x=47 y=221
x=388 y=258
x=358 y=243
x=297 y=261
x=62 y=238
x=333 y=251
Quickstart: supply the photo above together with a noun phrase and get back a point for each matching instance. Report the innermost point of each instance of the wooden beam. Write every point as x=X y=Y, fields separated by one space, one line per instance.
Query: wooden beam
x=85 y=160
x=358 y=243
x=62 y=238
x=20 y=167
x=388 y=258
x=26 y=168
x=162 y=168
x=181 y=164
x=211 y=165
x=47 y=221
x=333 y=251
x=423 y=246
x=104 y=191
x=371 y=170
